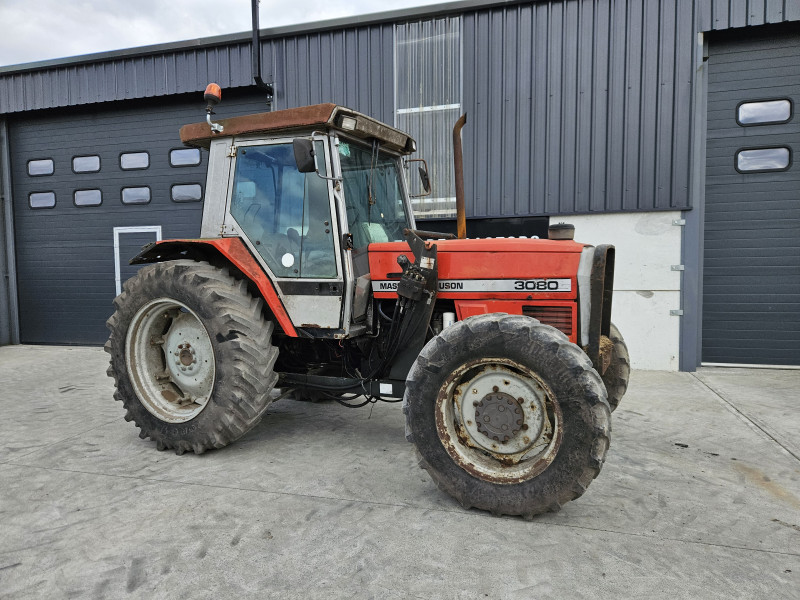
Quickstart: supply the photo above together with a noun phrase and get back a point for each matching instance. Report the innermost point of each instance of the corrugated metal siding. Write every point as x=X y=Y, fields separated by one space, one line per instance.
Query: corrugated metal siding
x=126 y=78
x=579 y=106
x=353 y=67
x=727 y=14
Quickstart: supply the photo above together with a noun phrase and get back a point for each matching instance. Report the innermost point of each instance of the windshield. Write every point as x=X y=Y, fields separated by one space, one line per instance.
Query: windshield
x=376 y=209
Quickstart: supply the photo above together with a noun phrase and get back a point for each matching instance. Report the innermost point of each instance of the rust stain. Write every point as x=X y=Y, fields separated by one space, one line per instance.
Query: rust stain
x=775 y=489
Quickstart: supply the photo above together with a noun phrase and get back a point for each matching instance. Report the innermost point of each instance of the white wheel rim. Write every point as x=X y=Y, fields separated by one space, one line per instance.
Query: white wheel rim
x=170 y=360
x=498 y=420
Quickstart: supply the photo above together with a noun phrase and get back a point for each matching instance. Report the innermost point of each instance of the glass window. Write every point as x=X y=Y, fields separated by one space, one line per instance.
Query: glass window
x=184 y=157
x=764 y=112
x=187 y=192
x=136 y=195
x=88 y=198
x=763 y=159
x=42 y=200
x=134 y=160
x=373 y=194
x=86 y=164
x=43 y=166
x=284 y=213
x=427 y=106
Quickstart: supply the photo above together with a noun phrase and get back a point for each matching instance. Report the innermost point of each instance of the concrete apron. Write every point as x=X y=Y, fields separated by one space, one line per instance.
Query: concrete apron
x=699 y=498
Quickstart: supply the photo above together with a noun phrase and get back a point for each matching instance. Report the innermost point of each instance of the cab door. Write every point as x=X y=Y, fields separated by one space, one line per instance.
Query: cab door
x=284 y=216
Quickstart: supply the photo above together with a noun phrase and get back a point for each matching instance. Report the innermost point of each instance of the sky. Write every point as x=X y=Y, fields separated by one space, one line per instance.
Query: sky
x=36 y=30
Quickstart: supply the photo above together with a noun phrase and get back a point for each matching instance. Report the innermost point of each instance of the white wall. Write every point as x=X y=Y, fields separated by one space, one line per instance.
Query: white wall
x=645 y=286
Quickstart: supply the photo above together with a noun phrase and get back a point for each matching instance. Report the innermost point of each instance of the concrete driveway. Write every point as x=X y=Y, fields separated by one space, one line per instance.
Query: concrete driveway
x=699 y=498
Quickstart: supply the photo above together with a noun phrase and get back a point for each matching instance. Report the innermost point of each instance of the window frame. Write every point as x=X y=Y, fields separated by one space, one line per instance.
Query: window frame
x=28 y=167
x=770 y=147
x=121 y=154
x=55 y=200
x=762 y=123
x=135 y=187
x=97 y=170
x=74 y=192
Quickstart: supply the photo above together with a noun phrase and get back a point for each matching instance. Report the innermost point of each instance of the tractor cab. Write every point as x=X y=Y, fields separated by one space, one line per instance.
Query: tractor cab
x=307 y=190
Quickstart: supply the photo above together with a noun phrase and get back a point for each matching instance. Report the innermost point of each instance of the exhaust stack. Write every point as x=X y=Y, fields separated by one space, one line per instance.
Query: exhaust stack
x=458 y=163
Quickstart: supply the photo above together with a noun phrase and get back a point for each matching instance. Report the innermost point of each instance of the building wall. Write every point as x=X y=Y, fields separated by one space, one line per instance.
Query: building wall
x=646 y=288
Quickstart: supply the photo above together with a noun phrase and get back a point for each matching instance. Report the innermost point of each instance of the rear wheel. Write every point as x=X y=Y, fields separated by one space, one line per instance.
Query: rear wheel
x=191 y=355
x=619 y=369
x=507 y=415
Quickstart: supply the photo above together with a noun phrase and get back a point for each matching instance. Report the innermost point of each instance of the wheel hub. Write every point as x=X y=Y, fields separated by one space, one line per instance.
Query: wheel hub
x=171 y=360
x=502 y=412
x=499 y=416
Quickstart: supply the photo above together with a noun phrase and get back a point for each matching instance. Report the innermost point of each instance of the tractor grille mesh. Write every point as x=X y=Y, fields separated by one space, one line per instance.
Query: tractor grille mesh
x=559 y=317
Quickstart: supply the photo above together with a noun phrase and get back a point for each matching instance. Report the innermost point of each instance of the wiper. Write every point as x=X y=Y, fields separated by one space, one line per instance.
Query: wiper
x=373 y=159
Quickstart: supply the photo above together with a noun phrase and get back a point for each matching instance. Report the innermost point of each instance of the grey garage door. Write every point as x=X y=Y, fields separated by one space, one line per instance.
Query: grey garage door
x=90 y=187
x=751 y=289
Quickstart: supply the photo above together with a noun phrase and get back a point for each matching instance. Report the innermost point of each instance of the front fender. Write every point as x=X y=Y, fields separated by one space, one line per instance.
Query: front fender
x=226 y=250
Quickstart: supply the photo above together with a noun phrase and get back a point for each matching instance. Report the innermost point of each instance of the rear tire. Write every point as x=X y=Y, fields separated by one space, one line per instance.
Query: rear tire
x=507 y=415
x=191 y=355
x=619 y=369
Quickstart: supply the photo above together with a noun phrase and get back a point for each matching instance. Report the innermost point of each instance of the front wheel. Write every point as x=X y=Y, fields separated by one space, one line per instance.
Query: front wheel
x=618 y=371
x=191 y=355
x=507 y=415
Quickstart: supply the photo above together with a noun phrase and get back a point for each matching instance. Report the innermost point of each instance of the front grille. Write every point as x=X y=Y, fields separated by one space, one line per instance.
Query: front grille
x=559 y=317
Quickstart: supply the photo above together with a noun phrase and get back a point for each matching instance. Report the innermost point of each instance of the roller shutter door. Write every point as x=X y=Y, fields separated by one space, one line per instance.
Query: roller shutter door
x=67 y=262
x=751 y=289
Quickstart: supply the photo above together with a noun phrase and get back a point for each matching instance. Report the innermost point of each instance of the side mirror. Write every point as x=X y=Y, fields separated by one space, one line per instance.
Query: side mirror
x=426 y=181
x=304 y=155
x=424 y=178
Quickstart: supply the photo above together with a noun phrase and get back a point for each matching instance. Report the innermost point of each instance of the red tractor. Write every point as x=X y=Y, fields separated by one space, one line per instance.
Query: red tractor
x=310 y=277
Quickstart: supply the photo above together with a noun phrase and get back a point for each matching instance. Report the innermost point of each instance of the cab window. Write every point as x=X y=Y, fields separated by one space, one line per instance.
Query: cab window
x=284 y=213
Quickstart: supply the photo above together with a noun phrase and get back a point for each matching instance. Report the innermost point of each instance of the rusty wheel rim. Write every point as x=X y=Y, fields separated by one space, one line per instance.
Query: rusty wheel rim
x=170 y=360
x=498 y=420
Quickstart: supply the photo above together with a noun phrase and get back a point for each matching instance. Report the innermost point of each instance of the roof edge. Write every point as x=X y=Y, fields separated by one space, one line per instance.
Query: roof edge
x=403 y=14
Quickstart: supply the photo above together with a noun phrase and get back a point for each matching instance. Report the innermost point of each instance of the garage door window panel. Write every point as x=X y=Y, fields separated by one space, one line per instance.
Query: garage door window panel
x=763 y=160
x=40 y=167
x=132 y=161
x=184 y=157
x=764 y=112
x=87 y=198
x=186 y=192
x=136 y=195
x=85 y=164
x=38 y=200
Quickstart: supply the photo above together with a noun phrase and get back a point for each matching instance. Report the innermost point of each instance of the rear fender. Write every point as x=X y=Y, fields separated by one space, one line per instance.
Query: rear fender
x=221 y=251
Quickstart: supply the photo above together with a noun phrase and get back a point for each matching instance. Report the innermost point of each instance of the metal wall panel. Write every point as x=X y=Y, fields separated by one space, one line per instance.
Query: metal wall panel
x=579 y=106
x=353 y=67
x=727 y=14
x=126 y=78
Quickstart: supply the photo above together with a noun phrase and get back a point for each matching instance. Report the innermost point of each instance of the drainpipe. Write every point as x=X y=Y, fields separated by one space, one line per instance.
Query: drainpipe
x=256 y=50
x=9 y=309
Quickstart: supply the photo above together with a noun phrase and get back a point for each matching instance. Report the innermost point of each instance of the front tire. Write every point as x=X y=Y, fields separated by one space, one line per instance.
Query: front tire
x=619 y=369
x=507 y=415
x=191 y=355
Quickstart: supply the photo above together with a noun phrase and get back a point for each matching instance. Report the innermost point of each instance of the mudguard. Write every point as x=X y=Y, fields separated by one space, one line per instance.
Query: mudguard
x=233 y=251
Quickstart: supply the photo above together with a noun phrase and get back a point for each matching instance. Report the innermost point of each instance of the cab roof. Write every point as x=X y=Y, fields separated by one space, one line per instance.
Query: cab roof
x=304 y=119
